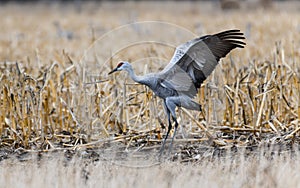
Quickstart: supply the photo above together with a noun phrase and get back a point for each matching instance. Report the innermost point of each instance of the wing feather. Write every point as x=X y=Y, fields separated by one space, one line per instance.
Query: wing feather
x=195 y=60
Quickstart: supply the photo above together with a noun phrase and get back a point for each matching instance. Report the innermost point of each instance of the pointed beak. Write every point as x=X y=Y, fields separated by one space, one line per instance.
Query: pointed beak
x=114 y=70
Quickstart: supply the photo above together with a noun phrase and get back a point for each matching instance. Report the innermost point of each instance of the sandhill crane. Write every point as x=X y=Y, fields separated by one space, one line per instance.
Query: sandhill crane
x=178 y=83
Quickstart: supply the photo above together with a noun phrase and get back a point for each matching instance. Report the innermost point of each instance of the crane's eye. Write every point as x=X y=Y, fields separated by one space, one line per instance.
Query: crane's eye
x=120 y=64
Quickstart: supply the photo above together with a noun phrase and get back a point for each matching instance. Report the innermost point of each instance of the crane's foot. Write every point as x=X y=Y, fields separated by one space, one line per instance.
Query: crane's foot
x=161 y=151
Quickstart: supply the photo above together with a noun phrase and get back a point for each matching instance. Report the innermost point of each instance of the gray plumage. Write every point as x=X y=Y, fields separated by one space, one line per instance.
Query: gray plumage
x=178 y=83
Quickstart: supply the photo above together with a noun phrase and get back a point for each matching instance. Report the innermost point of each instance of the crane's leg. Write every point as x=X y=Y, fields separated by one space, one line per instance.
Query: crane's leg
x=175 y=131
x=171 y=104
x=168 y=132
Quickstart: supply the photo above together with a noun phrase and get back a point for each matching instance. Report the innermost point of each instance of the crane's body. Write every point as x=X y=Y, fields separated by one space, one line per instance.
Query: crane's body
x=178 y=83
x=155 y=84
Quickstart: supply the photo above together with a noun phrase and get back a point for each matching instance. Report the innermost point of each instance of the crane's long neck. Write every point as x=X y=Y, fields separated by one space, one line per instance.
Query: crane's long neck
x=134 y=77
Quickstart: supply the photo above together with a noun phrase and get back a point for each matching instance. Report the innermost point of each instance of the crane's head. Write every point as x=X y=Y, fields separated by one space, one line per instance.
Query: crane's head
x=123 y=65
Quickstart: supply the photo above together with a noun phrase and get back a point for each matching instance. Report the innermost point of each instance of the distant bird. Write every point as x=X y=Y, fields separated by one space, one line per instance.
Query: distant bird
x=178 y=83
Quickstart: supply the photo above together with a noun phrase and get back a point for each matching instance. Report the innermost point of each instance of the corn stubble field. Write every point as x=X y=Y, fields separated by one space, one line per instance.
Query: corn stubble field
x=64 y=122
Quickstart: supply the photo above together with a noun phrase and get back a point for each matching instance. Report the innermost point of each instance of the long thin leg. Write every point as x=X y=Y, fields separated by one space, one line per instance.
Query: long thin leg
x=170 y=105
x=175 y=130
x=168 y=132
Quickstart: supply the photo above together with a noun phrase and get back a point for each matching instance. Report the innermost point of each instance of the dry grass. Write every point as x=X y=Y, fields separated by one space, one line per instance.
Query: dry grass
x=262 y=169
x=56 y=95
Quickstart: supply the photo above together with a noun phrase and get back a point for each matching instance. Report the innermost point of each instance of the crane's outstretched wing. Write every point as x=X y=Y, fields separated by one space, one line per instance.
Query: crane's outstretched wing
x=197 y=59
